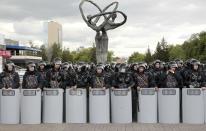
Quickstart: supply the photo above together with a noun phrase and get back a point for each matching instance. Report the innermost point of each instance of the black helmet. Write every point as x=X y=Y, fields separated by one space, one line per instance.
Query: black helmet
x=57 y=61
x=142 y=64
x=123 y=68
x=100 y=66
x=65 y=65
x=117 y=66
x=31 y=63
x=194 y=62
x=156 y=61
x=42 y=63
x=172 y=64
x=179 y=61
x=9 y=63
x=107 y=67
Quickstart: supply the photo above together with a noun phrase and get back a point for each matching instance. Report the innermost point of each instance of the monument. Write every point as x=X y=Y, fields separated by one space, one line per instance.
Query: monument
x=109 y=23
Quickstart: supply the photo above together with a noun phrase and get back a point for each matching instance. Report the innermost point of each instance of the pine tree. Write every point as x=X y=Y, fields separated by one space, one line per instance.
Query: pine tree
x=162 y=51
x=148 y=56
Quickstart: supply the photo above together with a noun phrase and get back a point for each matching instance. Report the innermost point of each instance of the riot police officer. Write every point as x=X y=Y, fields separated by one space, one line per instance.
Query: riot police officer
x=42 y=72
x=83 y=76
x=157 y=71
x=108 y=72
x=97 y=80
x=204 y=75
x=171 y=79
x=92 y=68
x=195 y=77
x=31 y=78
x=123 y=79
x=54 y=76
x=144 y=79
x=69 y=75
x=9 y=78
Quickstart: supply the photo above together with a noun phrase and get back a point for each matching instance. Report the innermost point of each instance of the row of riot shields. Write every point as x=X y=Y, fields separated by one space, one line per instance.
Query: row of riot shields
x=30 y=106
x=167 y=105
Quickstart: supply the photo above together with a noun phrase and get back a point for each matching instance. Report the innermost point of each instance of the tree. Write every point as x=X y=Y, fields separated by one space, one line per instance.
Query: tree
x=148 y=56
x=93 y=54
x=195 y=46
x=56 y=51
x=176 y=52
x=162 y=51
x=136 y=57
x=67 y=56
x=42 y=53
x=110 y=56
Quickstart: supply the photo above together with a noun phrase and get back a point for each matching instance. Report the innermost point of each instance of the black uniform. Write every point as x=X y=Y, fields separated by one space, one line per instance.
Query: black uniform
x=123 y=80
x=9 y=79
x=83 y=78
x=171 y=80
x=54 y=78
x=31 y=80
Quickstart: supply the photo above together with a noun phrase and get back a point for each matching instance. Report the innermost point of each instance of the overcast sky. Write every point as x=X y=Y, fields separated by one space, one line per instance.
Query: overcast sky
x=148 y=21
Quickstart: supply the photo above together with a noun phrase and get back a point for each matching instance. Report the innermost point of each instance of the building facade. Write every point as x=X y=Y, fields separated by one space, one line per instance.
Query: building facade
x=54 y=33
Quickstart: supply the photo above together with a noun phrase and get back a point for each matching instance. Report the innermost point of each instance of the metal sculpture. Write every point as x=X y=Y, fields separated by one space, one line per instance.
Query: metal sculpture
x=101 y=39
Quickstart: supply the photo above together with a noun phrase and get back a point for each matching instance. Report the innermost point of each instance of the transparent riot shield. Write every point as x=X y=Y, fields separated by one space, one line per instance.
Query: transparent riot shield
x=53 y=105
x=147 y=112
x=99 y=105
x=121 y=105
x=169 y=105
x=30 y=106
x=193 y=106
x=10 y=106
x=76 y=105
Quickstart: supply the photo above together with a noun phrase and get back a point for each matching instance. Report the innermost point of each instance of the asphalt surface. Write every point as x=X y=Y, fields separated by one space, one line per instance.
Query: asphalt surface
x=104 y=127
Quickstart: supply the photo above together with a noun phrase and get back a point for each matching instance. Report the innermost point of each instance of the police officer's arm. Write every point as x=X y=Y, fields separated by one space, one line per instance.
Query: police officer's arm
x=114 y=80
x=179 y=80
x=48 y=76
x=1 y=83
x=24 y=81
x=107 y=81
x=131 y=83
x=162 y=79
x=60 y=80
x=136 y=83
x=203 y=80
x=16 y=81
x=187 y=80
x=89 y=80
x=74 y=79
x=92 y=81
x=151 y=81
x=40 y=81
